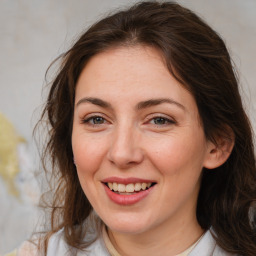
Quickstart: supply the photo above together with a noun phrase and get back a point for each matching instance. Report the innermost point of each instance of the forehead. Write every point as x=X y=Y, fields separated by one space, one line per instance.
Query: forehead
x=135 y=60
x=137 y=64
x=131 y=72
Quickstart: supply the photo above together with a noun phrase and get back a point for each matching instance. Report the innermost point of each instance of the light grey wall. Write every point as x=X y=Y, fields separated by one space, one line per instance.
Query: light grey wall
x=34 y=32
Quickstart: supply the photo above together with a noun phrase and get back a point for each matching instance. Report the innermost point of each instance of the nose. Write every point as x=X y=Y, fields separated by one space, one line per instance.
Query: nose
x=125 y=149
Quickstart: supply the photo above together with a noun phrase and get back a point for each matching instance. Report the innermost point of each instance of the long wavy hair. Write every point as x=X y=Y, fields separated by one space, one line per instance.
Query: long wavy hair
x=198 y=58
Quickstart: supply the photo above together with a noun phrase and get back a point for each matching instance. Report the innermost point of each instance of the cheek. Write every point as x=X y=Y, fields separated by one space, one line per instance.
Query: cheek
x=88 y=153
x=178 y=155
x=88 y=158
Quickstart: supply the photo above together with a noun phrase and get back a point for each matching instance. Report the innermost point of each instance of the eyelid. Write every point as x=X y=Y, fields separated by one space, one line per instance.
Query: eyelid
x=158 y=115
x=86 y=119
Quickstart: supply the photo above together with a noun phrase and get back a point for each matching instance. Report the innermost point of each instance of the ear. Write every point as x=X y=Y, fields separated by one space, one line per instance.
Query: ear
x=219 y=151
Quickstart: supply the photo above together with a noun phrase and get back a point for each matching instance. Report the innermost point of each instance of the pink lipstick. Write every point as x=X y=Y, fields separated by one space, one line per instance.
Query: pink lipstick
x=127 y=191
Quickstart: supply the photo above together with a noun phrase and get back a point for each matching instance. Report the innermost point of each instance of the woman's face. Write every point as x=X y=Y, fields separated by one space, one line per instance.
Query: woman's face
x=137 y=131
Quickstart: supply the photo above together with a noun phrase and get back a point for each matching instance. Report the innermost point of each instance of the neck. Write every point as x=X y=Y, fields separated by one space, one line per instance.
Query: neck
x=168 y=239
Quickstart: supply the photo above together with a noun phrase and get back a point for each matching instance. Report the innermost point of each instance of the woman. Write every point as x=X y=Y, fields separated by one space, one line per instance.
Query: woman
x=149 y=140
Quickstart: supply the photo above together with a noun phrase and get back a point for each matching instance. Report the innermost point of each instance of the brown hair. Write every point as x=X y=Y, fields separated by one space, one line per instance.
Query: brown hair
x=197 y=57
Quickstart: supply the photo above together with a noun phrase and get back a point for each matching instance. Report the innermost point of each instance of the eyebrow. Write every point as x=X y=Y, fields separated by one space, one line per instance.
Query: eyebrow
x=154 y=102
x=94 y=101
x=140 y=105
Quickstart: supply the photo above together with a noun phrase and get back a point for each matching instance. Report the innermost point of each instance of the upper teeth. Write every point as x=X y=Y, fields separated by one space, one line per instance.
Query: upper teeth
x=118 y=187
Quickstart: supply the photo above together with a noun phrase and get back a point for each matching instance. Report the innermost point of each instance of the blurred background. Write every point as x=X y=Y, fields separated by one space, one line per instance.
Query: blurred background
x=33 y=34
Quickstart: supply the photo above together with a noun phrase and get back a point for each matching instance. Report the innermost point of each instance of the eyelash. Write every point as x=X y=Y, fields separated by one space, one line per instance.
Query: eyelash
x=92 y=119
x=166 y=121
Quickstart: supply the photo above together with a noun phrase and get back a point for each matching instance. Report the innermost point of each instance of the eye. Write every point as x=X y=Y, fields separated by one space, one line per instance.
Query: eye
x=94 y=120
x=159 y=120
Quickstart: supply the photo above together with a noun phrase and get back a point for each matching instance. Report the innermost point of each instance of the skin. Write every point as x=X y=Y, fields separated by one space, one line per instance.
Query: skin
x=125 y=141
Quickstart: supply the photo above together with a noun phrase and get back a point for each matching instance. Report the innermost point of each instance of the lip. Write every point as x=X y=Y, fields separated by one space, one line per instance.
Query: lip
x=126 y=181
x=122 y=199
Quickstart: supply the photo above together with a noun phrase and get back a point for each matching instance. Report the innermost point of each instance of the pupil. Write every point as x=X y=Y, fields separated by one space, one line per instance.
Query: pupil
x=159 y=120
x=98 y=120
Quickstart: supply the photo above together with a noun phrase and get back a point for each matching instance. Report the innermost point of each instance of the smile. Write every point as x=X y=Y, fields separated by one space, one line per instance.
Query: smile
x=128 y=188
x=127 y=191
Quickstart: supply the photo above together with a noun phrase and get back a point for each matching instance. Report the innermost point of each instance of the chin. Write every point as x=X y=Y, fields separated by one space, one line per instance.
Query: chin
x=127 y=225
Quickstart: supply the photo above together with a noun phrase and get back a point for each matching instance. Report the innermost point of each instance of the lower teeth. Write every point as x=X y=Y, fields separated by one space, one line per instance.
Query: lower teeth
x=128 y=193
x=125 y=193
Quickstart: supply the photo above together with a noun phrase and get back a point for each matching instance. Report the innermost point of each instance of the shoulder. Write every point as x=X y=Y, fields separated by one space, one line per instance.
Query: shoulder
x=27 y=249
x=57 y=246
x=208 y=246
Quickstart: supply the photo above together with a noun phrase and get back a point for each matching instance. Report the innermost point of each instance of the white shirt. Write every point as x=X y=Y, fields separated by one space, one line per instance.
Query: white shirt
x=58 y=247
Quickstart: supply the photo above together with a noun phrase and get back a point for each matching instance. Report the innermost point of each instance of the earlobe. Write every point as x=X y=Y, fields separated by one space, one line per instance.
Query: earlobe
x=219 y=152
